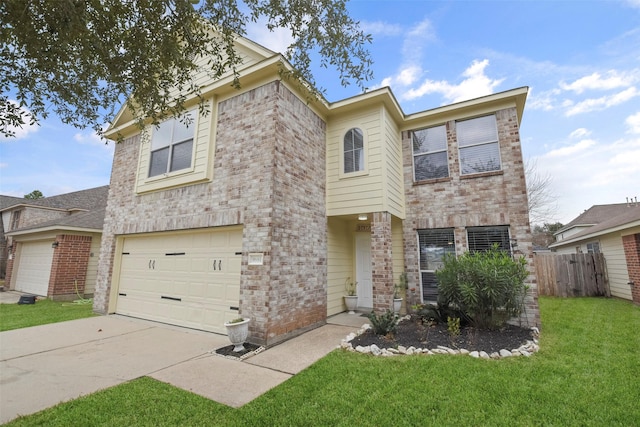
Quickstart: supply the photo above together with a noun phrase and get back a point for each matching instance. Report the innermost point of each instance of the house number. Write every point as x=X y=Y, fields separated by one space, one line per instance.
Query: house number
x=217 y=265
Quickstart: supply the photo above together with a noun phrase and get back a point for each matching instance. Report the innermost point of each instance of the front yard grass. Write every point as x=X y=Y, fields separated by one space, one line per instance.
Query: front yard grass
x=15 y=316
x=585 y=374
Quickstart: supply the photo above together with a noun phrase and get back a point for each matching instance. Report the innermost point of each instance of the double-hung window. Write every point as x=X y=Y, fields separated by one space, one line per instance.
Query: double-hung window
x=353 y=151
x=593 y=248
x=478 y=144
x=172 y=146
x=430 y=153
x=433 y=244
x=483 y=238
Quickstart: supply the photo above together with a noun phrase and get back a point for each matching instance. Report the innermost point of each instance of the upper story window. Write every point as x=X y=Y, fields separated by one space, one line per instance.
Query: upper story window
x=478 y=144
x=15 y=219
x=172 y=146
x=353 y=151
x=430 y=153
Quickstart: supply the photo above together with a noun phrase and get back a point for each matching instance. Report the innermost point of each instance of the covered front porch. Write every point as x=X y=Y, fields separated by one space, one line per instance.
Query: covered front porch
x=366 y=249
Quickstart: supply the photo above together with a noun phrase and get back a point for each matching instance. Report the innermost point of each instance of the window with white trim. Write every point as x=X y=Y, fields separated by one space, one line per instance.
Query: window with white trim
x=483 y=238
x=433 y=244
x=172 y=145
x=478 y=145
x=353 y=151
x=430 y=153
x=593 y=248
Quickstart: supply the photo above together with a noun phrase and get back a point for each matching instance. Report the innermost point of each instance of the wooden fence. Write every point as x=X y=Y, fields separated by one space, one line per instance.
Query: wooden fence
x=572 y=275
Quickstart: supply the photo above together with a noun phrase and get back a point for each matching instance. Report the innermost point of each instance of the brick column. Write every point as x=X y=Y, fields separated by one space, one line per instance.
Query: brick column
x=382 y=262
x=631 y=246
x=69 y=266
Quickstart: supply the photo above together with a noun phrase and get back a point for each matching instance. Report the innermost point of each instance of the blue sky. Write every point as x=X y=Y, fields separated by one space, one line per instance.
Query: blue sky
x=580 y=59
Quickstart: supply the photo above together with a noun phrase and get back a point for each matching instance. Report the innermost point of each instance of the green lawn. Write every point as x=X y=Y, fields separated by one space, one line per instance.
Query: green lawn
x=14 y=316
x=586 y=374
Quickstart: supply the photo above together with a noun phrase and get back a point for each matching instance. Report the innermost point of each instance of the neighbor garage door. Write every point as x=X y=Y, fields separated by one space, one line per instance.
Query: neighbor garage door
x=187 y=279
x=34 y=267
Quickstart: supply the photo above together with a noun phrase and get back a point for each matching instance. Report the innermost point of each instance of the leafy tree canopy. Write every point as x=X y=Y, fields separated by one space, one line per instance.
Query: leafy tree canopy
x=82 y=59
x=35 y=194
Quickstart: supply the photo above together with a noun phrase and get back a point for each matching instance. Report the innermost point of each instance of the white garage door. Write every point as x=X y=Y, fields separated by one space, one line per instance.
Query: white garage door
x=188 y=279
x=34 y=267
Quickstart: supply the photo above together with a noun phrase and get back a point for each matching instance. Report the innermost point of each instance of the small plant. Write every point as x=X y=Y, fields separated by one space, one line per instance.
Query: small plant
x=350 y=286
x=401 y=286
x=236 y=320
x=383 y=324
x=453 y=326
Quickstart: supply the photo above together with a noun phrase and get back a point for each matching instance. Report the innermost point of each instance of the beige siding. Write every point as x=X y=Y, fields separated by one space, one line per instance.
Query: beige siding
x=360 y=191
x=92 y=266
x=339 y=262
x=611 y=247
x=394 y=181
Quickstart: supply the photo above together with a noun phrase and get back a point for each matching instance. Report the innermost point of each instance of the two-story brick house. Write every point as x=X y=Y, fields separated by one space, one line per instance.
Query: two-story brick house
x=267 y=205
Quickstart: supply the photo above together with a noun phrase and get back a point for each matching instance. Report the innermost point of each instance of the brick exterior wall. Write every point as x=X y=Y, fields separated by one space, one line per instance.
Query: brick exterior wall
x=269 y=176
x=69 y=266
x=382 y=262
x=11 y=257
x=458 y=202
x=631 y=246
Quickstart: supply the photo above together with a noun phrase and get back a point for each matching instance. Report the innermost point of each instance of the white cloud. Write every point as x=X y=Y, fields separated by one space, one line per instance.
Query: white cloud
x=611 y=80
x=579 y=133
x=604 y=102
x=633 y=122
x=379 y=28
x=277 y=40
x=475 y=84
x=591 y=172
x=417 y=38
x=3 y=165
x=571 y=149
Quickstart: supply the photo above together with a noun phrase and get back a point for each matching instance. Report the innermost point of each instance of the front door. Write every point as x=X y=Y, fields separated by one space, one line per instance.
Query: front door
x=363 y=270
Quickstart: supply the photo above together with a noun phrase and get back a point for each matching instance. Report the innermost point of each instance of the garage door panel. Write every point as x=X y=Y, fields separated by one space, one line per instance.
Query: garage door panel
x=34 y=267
x=202 y=274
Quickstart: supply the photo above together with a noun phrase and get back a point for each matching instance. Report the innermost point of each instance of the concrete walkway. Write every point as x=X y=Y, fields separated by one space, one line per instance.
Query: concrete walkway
x=45 y=365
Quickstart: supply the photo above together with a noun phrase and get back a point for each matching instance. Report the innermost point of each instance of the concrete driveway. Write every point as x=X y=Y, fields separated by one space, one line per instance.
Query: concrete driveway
x=45 y=365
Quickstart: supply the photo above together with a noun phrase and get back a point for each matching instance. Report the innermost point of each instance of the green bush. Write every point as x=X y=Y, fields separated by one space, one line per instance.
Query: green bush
x=383 y=324
x=488 y=287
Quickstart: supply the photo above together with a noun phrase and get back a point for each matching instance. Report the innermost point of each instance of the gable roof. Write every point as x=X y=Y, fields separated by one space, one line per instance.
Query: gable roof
x=601 y=219
x=86 y=210
x=77 y=200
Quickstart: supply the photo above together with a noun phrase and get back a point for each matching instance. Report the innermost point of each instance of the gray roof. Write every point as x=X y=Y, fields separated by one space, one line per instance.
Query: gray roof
x=83 y=199
x=91 y=204
x=8 y=201
x=600 y=218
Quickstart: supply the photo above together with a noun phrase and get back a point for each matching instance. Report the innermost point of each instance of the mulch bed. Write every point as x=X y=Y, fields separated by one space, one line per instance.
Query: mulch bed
x=414 y=333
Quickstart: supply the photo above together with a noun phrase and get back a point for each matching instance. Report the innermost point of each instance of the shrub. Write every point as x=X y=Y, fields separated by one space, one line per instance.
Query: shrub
x=383 y=324
x=488 y=287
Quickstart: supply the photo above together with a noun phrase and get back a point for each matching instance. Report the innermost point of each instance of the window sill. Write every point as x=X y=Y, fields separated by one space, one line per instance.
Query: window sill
x=482 y=174
x=353 y=174
x=432 y=181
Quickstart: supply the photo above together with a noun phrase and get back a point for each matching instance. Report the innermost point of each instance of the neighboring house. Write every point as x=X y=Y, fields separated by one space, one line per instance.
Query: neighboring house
x=53 y=243
x=266 y=206
x=613 y=230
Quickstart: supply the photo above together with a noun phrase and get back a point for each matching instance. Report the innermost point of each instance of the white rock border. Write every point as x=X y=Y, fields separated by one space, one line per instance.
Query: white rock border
x=527 y=349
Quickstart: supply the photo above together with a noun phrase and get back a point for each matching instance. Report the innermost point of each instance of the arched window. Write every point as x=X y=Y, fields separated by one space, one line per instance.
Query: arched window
x=353 y=151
